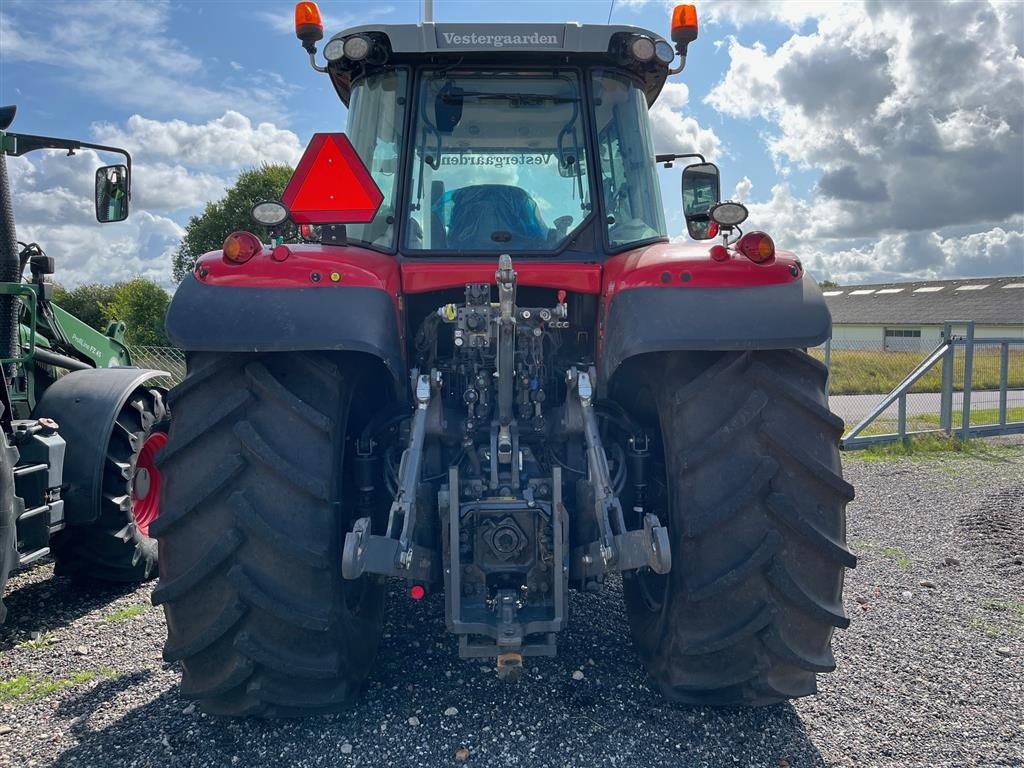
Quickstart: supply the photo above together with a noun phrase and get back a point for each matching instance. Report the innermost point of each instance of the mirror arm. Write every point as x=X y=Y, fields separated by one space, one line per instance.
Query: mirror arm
x=667 y=159
x=25 y=143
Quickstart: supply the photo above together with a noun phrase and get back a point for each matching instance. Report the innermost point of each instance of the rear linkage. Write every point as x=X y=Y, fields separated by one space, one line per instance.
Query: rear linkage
x=505 y=552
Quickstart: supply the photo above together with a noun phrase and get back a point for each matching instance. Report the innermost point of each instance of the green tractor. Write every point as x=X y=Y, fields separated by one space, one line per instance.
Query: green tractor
x=79 y=427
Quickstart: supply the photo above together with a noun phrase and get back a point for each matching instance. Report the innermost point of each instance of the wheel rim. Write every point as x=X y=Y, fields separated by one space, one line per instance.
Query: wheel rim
x=146 y=483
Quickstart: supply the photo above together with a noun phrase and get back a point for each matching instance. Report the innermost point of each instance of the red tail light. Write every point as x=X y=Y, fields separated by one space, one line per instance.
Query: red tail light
x=239 y=247
x=417 y=591
x=280 y=252
x=719 y=252
x=757 y=247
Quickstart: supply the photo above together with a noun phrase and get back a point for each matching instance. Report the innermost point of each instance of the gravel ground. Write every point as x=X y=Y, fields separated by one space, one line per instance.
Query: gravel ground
x=931 y=672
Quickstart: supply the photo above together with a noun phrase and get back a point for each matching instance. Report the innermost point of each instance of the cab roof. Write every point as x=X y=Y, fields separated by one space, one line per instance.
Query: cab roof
x=502 y=44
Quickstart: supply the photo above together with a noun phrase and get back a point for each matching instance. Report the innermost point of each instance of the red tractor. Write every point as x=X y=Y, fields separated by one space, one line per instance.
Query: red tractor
x=488 y=373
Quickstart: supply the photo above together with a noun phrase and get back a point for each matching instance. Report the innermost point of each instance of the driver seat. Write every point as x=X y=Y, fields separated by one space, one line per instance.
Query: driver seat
x=482 y=210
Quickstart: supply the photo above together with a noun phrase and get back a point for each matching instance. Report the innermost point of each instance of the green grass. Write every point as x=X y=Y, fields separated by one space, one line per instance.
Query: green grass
x=126 y=613
x=895 y=554
x=978 y=416
x=887 y=424
x=1005 y=606
x=1012 y=609
x=33 y=687
x=860 y=372
x=45 y=640
x=985 y=626
x=937 y=445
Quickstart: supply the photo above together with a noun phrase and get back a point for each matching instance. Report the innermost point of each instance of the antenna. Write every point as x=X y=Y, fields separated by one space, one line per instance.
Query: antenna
x=610 y=9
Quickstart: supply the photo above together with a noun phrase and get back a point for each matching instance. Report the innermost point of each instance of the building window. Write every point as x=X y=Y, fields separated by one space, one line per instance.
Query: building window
x=903 y=339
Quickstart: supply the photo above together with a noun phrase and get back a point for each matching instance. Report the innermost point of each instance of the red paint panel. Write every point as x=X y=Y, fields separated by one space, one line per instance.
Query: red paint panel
x=331 y=185
x=422 y=277
x=676 y=265
x=352 y=265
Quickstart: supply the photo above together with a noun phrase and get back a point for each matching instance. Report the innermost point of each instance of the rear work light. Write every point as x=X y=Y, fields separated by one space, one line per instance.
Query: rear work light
x=241 y=246
x=757 y=247
x=642 y=48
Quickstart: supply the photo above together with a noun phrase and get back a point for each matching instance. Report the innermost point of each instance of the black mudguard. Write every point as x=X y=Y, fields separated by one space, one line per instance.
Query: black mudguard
x=85 y=404
x=642 y=320
x=222 y=318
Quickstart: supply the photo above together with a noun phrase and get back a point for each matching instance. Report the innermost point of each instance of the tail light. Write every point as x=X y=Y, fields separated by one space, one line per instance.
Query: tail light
x=757 y=247
x=280 y=253
x=239 y=247
x=719 y=252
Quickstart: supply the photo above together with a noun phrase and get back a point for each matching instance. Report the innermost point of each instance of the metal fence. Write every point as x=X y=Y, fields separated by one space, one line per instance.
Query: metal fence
x=966 y=386
x=974 y=382
x=168 y=359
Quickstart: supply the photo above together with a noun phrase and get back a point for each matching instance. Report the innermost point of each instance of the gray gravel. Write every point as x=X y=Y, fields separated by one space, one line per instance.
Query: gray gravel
x=931 y=672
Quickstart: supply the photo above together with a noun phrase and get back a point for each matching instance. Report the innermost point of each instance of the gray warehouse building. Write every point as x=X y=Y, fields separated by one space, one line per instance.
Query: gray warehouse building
x=910 y=316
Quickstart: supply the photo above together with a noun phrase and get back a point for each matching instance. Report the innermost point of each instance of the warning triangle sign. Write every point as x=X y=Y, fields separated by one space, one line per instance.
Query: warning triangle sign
x=331 y=185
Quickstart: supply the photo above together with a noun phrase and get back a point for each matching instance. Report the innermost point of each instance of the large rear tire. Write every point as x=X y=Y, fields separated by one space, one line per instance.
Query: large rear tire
x=251 y=534
x=757 y=519
x=116 y=546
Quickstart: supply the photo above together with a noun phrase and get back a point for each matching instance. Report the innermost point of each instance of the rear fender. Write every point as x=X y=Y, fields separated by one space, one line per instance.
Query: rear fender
x=337 y=298
x=85 y=404
x=681 y=300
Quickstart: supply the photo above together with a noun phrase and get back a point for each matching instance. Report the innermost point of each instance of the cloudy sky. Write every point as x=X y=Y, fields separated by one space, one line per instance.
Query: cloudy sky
x=880 y=139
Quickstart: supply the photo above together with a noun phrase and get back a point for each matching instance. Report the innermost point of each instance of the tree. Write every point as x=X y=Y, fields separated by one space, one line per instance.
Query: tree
x=141 y=305
x=86 y=302
x=828 y=284
x=207 y=231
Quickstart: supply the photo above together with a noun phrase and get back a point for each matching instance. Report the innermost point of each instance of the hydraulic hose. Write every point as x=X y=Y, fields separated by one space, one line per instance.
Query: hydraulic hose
x=49 y=357
x=10 y=271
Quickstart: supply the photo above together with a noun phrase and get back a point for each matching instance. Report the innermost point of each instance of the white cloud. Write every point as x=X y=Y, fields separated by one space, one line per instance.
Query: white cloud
x=671 y=131
x=912 y=128
x=178 y=167
x=123 y=53
x=53 y=205
x=922 y=255
x=791 y=13
x=227 y=142
x=914 y=131
x=742 y=190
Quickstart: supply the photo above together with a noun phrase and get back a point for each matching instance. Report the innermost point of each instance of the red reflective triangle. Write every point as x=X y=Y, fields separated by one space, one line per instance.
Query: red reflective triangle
x=331 y=185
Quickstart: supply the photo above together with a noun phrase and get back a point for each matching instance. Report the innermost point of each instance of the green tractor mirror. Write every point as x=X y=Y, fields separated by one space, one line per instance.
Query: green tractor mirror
x=113 y=190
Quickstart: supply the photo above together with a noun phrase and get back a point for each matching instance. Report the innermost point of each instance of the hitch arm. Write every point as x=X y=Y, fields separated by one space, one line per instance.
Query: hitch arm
x=391 y=555
x=617 y=549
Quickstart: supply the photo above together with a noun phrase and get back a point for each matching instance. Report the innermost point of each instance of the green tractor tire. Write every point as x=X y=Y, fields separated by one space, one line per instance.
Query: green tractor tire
x=116 y=546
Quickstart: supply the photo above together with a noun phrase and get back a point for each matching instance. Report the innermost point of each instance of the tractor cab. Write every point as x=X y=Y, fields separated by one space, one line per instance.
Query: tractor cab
x=529 y=139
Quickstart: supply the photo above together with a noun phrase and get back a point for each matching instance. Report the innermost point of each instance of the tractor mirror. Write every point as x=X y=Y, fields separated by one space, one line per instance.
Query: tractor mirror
x=113 y=190
x=448 y=108
x=568 y=167
x=701 y=191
